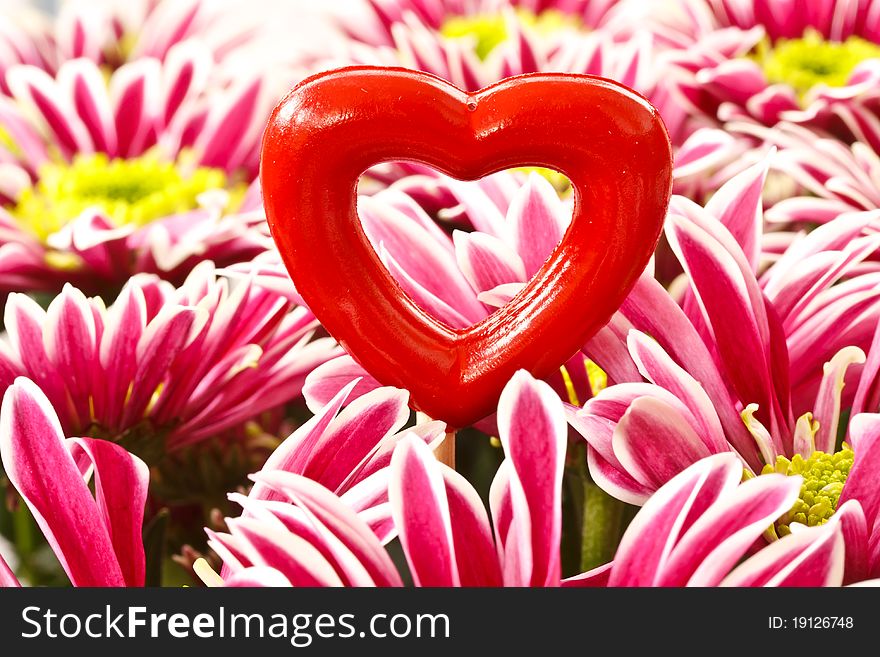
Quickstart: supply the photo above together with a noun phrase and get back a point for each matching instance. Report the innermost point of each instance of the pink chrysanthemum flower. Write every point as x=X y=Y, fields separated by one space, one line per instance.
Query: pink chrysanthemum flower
x=347 y=450
x=473 y=44
x=761 y=353
x=752 y=363
x=832 y=178
x=113 y=33
x=98 y=541
x=442 y=523
x=481 y=20
x=163 y=369
x=816 y=64
x=144 y=171
x=698 y=527
x=308 y=536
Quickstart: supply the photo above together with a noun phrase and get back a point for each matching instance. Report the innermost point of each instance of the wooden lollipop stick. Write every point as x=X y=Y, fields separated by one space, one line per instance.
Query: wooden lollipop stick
x=445 y=451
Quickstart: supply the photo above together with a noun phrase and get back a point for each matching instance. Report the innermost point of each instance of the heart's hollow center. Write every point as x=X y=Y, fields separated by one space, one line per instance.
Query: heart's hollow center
x=461 y=250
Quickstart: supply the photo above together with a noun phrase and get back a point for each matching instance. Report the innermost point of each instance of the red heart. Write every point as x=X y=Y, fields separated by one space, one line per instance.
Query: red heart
x=607 y=139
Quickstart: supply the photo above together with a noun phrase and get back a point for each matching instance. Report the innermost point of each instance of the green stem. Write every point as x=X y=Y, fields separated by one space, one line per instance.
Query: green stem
x=601 y=525
x=23 y=540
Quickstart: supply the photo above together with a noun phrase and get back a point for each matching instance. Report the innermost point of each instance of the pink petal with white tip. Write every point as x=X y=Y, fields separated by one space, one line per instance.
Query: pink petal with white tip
x=40 y=467
x=325 y=381
x=69 y=335
x=811 y=557
x=257 y=576
x=7 y=577
x=595 y=578
x=162 y=340
x=735 y=79
x=717 y=541
x=651 y=537
x=538 y=221
x=607 y=348
x=806 y=209
x=429 y=302
x=420 y=509
x=299 y=561
x=471 y=533
x=121 y=481
x=532 y=429
x=424 y=258
x=601 y=414
x=432 y=433
x=486 y=261
x=24 y=320
x=167 y=24
x=185 y=75
x=82 y=82
x=134 y=93
x=355 y=434
x=653 y=442
x=230 y=124
x=862 y=482
x=293 y=454
x=704 y=149
x=651 y=309
x=854 y=527
x=38 y=89
x=125 y=323
x=738 y=205
x=656 y=366
x=500 y=295
x=615 y=481
x=770 y=104
x=867 y=394
x=732 y=304
x=358 y=554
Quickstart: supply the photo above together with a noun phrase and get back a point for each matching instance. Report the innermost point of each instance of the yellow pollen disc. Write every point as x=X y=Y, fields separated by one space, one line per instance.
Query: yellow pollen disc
x=133 y=191
x=811 y=60
x=488 y=31
x=824 y=476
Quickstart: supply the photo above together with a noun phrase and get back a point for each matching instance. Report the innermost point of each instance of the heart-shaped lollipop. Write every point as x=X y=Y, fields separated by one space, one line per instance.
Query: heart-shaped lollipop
x=607 y=139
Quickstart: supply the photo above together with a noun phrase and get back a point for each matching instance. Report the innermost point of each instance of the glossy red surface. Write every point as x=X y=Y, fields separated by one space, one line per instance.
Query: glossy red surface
x=607 y=139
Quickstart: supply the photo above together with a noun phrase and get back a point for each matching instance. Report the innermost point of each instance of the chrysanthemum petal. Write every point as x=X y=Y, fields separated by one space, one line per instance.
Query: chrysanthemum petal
x=720 y=537
x=121 y=481
x=532 y=429
x=43 y=471
x=471 y=533
x=257 y=576
x=813 y=556
x=325 y=381
x=653 y=442
x=538 y=221
x=862 y=482
x=651 y=537
x=420 y=508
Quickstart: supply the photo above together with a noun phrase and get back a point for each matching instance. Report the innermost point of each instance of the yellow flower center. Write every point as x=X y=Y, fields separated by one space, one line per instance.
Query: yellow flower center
x=560 y=181
x=824 y=476
x=134 y=191
x=488 y=31
x=803 y=63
